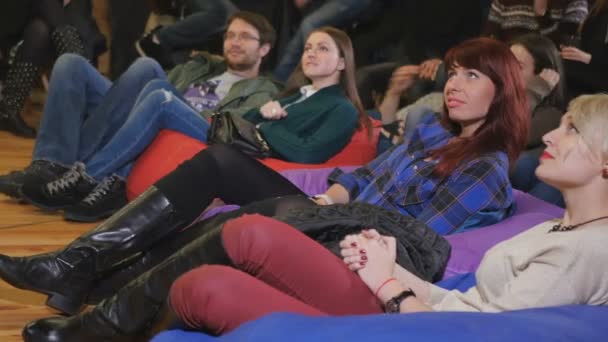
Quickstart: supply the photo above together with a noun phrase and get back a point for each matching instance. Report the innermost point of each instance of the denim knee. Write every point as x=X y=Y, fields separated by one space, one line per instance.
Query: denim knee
x=155 y=85
x=146 y=64
x=69 y=63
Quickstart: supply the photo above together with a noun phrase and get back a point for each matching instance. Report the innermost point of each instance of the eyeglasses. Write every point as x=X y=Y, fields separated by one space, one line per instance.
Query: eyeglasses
x=241 y=36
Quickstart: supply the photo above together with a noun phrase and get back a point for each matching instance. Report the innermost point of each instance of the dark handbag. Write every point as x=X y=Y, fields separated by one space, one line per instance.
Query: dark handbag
x=234 y=130
x=420 y=249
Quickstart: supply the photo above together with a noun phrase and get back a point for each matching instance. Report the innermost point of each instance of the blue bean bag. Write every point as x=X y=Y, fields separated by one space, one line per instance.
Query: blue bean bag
x=563 y=323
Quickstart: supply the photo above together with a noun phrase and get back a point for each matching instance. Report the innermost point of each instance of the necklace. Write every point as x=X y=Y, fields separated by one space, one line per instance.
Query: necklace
x=559 y=228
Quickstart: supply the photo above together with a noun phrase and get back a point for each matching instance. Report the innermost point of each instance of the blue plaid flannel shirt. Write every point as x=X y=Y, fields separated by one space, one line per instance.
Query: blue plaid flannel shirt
x=476 y=194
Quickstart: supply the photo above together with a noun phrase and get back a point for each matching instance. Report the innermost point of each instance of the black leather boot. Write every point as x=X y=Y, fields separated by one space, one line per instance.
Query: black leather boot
x=68 y=275
x=112 y=282
x=137 y=307
x=67 y=40
x=19 y=82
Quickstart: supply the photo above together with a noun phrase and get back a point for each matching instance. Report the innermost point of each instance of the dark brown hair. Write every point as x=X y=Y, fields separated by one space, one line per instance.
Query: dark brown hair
x=546 y=56
x=297 y=78
x=267 y=33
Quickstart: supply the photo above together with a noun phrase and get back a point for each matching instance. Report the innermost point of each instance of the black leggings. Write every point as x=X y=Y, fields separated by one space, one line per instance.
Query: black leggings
x=225 y=172
x=46 y=16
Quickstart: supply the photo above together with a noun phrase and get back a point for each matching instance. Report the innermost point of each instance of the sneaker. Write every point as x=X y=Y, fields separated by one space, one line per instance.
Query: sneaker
x=146 y=47
x=39 y=171
x=63 y=192
x=106 y=199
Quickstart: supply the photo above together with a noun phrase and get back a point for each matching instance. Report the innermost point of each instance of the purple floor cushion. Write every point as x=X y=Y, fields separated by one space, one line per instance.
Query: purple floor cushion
x=469 y=247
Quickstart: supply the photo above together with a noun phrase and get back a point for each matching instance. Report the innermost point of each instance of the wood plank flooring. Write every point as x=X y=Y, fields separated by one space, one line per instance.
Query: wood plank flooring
x=25 y=230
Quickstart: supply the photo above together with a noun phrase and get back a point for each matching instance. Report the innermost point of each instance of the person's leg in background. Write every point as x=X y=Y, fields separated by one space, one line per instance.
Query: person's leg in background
x=23 y=72
x=333 y=13
x=204 y=18
x=278 y=269
x=127 y=23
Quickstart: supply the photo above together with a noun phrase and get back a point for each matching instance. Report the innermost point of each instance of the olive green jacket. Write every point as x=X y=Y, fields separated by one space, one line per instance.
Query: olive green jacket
x=243 y=96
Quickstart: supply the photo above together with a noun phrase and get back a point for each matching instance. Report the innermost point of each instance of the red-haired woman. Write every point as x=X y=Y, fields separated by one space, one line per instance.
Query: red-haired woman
x=452 y=175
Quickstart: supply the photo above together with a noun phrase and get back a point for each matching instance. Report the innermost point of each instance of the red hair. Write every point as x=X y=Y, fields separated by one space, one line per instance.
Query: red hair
x=507 y=121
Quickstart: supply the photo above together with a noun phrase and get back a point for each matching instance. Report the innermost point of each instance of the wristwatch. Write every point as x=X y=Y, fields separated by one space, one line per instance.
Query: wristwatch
x=393 y=305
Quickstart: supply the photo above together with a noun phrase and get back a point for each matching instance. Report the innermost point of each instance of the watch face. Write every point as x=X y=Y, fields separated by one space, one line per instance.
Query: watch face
x=394 y=304
x=392 y=307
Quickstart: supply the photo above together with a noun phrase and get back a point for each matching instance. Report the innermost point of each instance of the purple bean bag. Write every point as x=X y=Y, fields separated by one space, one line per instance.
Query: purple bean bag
x=467 y=248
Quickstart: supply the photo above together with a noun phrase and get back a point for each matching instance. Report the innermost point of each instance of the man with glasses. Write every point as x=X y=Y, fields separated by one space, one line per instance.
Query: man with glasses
x=84 y=110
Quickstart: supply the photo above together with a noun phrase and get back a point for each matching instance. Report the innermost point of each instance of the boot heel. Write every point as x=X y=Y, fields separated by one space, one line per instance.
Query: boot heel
x=64 y=304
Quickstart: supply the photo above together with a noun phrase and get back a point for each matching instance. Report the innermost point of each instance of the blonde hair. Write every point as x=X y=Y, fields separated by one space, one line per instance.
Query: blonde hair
x=590 y=116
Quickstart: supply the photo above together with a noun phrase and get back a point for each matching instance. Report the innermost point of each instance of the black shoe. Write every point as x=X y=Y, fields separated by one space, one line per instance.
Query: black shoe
x=146 y=47
x=67 y=276
x=106 y=199
x=38 y=172
x=61 y=193
x=44 y=273
x=19 y=82
x=68 y=329
x=12 y=122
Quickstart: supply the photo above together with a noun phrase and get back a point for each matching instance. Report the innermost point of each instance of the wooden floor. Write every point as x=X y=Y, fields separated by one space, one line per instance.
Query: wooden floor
x=25 y=230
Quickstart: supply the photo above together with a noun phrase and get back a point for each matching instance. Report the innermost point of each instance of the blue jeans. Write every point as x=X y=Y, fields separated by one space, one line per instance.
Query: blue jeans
x=83 y=109
x=158 y=106
x=523 y=178
x=332 y=13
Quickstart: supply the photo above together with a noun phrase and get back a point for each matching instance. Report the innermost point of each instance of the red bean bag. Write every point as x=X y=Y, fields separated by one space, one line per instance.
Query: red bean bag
x=170 y=148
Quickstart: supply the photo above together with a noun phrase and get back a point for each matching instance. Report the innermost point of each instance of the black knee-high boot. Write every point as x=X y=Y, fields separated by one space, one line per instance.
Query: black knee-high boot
x=112 y=282
x=19 y=82
x=68 y=275
x=137 y=306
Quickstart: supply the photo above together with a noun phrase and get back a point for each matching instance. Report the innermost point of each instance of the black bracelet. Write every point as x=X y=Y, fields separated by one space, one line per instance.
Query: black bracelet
x=393 y=305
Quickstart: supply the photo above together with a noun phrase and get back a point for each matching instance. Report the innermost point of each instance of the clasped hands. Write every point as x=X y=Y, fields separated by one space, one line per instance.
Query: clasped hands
x=371 y=255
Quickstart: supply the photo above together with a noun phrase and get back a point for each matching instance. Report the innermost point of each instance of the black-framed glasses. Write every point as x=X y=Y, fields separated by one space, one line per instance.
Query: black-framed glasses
x=243 y=36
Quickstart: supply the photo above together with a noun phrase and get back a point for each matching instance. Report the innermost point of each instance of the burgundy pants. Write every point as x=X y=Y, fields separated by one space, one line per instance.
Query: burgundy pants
x=277 y=269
